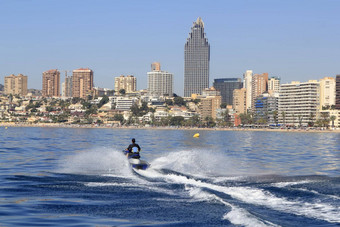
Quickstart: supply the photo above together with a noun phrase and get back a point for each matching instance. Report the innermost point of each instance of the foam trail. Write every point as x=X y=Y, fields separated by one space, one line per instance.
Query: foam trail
x=255 y=196
x=237 y=216
x=98 y=161
x=285 y=184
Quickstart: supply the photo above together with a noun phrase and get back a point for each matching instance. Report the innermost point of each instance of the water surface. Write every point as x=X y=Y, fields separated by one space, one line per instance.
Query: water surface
x=79 y=177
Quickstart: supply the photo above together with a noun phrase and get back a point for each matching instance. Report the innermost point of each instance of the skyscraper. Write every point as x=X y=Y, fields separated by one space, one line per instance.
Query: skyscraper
x=16 y=85
x=227 y=86
x=196 y=60
x=82 y=82
x=247 y=77
x=159 y=82
x=51 y=83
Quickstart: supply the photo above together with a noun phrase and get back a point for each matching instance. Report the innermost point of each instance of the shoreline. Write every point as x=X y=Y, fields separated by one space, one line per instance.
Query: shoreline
x=55 y=125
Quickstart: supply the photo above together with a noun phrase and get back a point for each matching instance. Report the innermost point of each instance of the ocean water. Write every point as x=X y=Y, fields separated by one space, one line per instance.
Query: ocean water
x=79 y=177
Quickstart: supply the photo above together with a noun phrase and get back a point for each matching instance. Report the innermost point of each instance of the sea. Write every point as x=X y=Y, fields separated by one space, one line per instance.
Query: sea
x=80 y=177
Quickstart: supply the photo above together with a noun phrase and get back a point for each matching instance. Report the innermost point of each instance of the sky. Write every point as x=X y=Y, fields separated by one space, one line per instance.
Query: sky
x=294 y=40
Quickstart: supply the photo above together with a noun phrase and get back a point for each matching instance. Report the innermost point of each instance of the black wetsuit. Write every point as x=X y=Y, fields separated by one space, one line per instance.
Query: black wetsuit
x=133 y=154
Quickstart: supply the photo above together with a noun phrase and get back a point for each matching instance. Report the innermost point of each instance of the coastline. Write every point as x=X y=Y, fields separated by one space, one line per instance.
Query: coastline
x=56 y=125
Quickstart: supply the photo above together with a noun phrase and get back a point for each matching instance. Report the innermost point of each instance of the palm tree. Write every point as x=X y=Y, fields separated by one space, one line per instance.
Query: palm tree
x=332 y=118
x=283 y=117
x=300 y=120
x=275 y=116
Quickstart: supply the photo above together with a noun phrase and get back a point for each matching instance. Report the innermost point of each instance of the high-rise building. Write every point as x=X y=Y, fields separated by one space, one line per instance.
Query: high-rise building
x=274 y=85
x=16 y=85
x=327 y=92
x=298 y=103
x=51 y=83
x=82 y=82
x=337 y=96
x=227 y=86
x=160 y=83
x=239 y=100
x=196 y=60
x=209 y=106
x=247 y=81
x=128 y=83
x=259 y=85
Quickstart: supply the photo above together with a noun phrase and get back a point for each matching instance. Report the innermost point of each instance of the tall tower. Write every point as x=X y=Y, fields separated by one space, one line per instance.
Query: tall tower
x=82 y=82
x=247 y=76
x=196 y=60
x=51 y=83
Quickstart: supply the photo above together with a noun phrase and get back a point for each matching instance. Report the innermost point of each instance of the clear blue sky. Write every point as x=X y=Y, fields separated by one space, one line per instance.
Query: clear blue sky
x=295 y=40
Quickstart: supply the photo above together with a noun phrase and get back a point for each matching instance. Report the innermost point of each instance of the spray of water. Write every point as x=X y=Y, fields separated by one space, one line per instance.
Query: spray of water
x=95 y=161
x=204 y=163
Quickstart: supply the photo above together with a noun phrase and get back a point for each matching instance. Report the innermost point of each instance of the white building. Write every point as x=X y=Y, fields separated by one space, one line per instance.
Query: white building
x=124 y=103
x=247 y=84
x=327 y=92
x=299 y=102
x=274 y=84
x=160 y=83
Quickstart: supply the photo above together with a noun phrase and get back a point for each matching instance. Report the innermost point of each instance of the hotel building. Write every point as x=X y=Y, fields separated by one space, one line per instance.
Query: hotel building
x=160 y=83
x=299 y=102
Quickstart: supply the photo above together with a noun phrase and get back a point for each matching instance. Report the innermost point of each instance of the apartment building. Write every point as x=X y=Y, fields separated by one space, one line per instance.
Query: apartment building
x=299 y=102
x=82 y=82
x=51 y=83
x=128 y=83
x=16 y=85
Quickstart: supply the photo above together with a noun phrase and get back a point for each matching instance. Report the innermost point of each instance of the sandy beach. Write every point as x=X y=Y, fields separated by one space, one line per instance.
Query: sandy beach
x=56 y=125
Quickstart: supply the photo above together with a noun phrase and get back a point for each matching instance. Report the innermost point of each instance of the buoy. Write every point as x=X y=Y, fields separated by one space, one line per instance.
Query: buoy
x=196 y=135
x=5 y=127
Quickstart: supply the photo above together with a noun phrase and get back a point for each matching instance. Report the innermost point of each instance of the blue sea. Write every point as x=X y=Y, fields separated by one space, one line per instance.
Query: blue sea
x=79 y=177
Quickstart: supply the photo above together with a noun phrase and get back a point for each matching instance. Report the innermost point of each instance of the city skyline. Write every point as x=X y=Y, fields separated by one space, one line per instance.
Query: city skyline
x=291 y=40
